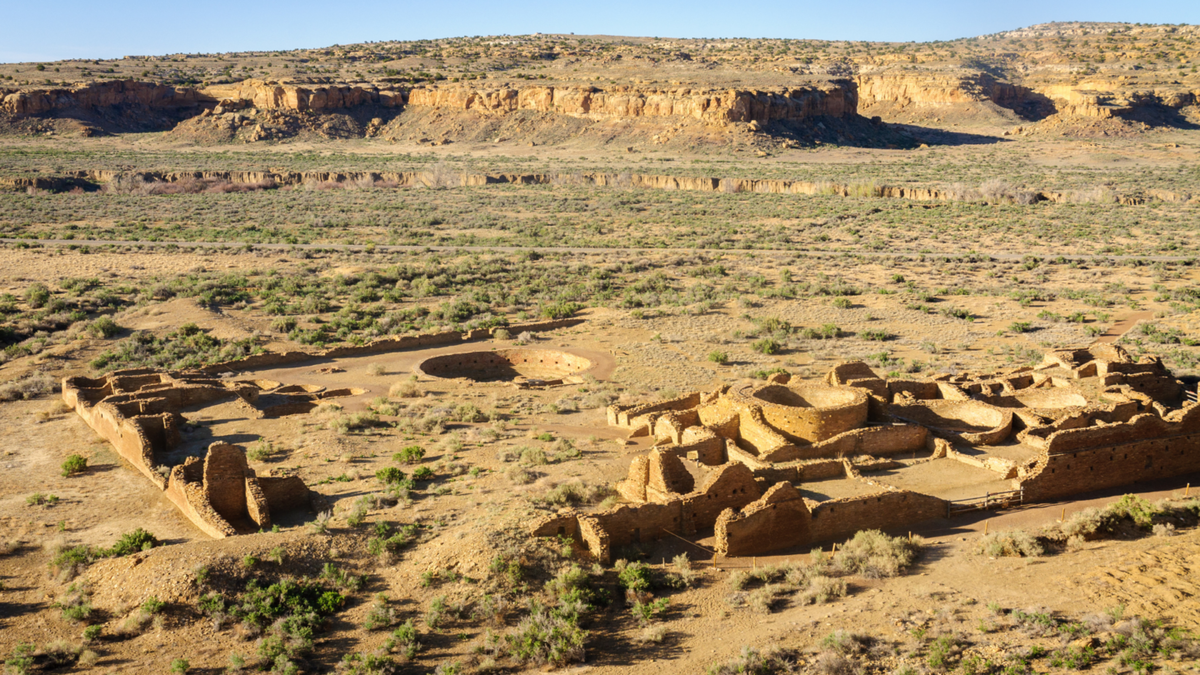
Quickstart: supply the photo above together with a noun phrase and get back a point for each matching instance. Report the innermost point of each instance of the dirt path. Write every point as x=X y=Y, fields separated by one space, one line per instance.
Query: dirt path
x=1123 y=326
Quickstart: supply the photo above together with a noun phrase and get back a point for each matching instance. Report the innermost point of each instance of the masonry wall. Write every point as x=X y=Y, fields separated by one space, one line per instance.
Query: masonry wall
x=755 y=434
x=884 y=441
x=839 y=519
x=1181 y=422
x=807 y=414
x=137 y=424
x=286 y=493
x=225 y=480
x=624 y=416
x=779 y=519
x=383 y=345
x=189 y=497
x=732 y=486
x=1069 y=473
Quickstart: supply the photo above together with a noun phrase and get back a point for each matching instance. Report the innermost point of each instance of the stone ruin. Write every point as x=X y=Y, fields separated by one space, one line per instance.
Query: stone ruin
x=523 y=368
x=789 y=464
x=139 y=413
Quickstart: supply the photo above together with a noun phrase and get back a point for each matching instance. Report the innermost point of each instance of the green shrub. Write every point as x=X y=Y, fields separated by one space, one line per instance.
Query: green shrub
x=389 y=475
x=766 y=346
x=718 y=357
x=422 y=473
x=132 y=542
x=576 y=492
x=76 y=603
x=561 y=310
x=180 y=666
x=645 y=612
x=104 y=327
x=1135 y=508
x=74 y=464
x=941 y=651
x=546 y=637
x=409 y=455
x=1009 y=543
x=636 y=577
x=768 y=662
x=874 y=555
x=260 y=450
x=37 y=295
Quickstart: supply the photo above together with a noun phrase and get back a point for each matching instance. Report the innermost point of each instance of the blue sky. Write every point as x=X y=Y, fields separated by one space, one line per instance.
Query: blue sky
x=75 y=29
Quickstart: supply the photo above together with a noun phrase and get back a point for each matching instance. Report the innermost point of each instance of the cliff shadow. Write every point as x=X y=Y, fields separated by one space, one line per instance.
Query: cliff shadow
x=936 y=136
x=1160 y=116
x=852 y=130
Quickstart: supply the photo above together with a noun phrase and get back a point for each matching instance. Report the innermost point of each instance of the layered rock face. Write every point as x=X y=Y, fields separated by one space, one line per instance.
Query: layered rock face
x=932 y=89
x=885 y=90
x=904 y=89
x=99 y=95
x=836 y=99
x=276 y=96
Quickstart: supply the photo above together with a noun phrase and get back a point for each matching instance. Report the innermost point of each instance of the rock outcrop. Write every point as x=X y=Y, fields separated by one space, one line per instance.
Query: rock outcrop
x=99 y=95
x=835 y=99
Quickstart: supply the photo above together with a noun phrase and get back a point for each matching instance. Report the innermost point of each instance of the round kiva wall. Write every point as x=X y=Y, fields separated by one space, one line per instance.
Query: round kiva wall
x=809 y=413
x=973 y=421
x=506 y=364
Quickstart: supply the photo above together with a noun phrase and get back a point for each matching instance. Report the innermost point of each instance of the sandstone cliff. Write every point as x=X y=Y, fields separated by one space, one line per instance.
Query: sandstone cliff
x=836 y=99
x=98 y=95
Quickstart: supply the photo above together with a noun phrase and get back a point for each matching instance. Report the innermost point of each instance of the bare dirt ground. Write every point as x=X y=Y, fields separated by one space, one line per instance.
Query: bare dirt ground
x=678 y=292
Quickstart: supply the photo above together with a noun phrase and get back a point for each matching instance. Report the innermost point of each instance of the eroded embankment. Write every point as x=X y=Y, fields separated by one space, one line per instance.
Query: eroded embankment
x=92 y=179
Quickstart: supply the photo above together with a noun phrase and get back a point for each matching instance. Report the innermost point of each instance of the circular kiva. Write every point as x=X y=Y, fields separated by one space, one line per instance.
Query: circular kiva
x=518 y=365
x=809 y=413
x=975 y=422
x=1052 y=398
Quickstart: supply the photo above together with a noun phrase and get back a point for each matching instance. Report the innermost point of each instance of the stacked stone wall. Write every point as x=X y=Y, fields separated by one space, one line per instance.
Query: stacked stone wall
x=778 y=520
x=140 y=425
x=839 y=519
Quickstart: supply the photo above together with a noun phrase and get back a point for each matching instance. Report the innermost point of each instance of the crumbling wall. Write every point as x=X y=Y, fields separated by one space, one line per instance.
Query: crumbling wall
x=779 y=519
x=918 y=389
x=192 y=501
x=666 y=476
x=634 y=416
x=633 y=487
x=139 y=417
x=384 y=345
x=887 y=440
x=287 y=493
x=839 y=519
x=670 y=426
x=731 y=486
x=973 y=422
x=756 y=435
x=807 y=413
x=257 y=506
x=225 y=480
x=1108 y=455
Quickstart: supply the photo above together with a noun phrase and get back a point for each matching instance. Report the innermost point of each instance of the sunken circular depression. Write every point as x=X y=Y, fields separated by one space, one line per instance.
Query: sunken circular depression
x=810 y=413
x=506 y=365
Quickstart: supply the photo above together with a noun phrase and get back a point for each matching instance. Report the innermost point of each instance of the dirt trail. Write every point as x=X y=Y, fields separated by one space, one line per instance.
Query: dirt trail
x=1123 y=326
